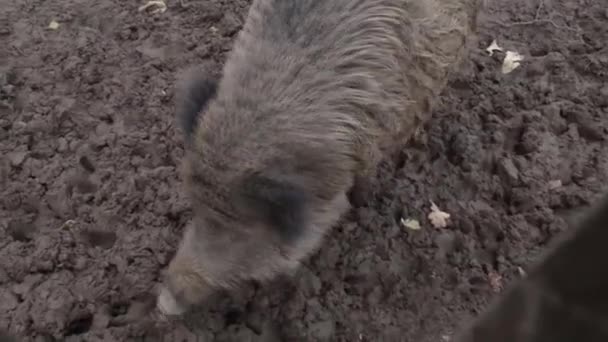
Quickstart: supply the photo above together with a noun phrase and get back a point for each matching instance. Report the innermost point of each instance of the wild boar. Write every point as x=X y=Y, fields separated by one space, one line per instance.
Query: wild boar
x=312 y=95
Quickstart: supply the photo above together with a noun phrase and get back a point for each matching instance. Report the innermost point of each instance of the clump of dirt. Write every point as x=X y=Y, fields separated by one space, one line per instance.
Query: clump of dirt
x=90 y=210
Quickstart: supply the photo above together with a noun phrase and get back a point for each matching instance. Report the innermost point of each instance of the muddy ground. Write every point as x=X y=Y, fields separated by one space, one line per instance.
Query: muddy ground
x=90 y=208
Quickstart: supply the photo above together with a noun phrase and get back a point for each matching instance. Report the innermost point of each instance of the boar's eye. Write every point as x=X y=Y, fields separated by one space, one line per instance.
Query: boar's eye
x=192 y=98
x=279 y=204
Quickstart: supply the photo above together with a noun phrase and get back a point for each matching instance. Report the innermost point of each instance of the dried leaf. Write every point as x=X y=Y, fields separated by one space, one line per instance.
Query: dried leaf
x=411 y=224
x=53 y=25
x=160 y=4
x=521 y=271
x=437 y=217
x=69 y=224
x=493 y=47
x=511 y=62
x=555 y=184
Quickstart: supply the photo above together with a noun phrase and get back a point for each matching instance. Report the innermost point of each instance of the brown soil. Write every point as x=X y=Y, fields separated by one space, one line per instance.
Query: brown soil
x=90 y=208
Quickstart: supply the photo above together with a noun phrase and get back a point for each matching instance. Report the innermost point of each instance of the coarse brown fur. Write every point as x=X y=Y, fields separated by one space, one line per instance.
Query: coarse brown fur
x=313 y=93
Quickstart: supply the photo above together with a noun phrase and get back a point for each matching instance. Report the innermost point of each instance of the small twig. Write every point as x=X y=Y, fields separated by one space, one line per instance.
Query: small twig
x=537 y=20
x=538 y=9
x=18 y=50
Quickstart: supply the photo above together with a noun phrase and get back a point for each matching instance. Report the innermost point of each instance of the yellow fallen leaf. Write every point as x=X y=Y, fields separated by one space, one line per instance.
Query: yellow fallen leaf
x=437 y=217
x=53 y=25
x=410 y=223
x=511 y=62
x=493 y=47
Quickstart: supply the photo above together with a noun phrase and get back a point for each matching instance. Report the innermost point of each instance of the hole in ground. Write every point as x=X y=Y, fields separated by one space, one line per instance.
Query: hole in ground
x=233 y=316
x=100 y=238
x=86 y=163
x=119 y=309
x=79 y=325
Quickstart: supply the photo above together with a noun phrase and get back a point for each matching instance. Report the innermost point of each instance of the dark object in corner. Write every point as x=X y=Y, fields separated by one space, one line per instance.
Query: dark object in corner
x=564 y=298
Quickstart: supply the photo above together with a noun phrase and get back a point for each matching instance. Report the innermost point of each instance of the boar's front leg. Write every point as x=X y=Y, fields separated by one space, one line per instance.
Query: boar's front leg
x=361 y=192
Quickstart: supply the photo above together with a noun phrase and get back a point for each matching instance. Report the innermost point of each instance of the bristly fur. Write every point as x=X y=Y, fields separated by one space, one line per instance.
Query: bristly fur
x=312 y=94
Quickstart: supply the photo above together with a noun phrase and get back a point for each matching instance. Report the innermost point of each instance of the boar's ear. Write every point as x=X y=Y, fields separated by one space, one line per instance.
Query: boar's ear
x=282 y=205
x=193 y=95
